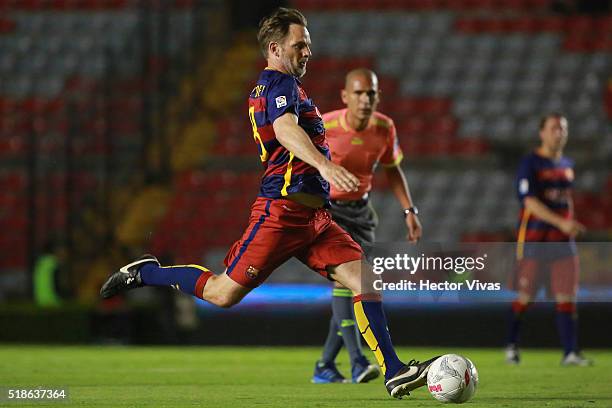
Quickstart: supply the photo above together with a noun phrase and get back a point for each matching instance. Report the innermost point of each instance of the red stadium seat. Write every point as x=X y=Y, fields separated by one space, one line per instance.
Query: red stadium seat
x=12 y=199
x=603 y=26
x=408 y=144
x=188 y=4
x=13 y=146
x=388 y=86
x=348 y=64
x=13 y=254
x=601 y=44
x=411 y=127
x=468 y=25
x=407 y=106
x=578 y=44
x=434 y=106
x=594 y=219
x=445 y=126
x=13 y=181
x=538 y=4
x=499 y=25
x=512 y=4
x=438 y=145
x=7 y=25
x=580 y=201
x=551 y=23
x=27 y=4
x=14 y=222
x=64 y=4
x=524 y=24
x=12 y=108
x=580 y=25
x=469 y=146
x=609 y=185
x=305 y=4
x=423 y=5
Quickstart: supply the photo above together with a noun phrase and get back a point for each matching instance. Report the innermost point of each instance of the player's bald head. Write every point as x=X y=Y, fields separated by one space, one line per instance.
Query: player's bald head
x=361 y=96
x=365 y=75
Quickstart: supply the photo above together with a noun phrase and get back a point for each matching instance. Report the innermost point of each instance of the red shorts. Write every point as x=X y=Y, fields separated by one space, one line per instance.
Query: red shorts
x=563 y=273
x=280 y=229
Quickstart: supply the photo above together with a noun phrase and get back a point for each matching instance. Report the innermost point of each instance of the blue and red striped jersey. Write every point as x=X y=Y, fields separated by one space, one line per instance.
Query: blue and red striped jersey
x=551 y=182
x=274 y=95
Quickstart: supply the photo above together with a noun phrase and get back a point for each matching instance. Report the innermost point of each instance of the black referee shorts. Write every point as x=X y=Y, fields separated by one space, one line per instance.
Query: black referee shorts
x=358 y=218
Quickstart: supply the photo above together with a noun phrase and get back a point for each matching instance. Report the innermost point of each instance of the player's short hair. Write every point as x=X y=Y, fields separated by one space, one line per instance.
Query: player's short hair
x=544 y=119
x=274 y=28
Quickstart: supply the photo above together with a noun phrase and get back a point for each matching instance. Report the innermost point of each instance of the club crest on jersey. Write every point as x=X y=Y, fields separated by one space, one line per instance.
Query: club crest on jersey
x=252 y=272
x=281 y=101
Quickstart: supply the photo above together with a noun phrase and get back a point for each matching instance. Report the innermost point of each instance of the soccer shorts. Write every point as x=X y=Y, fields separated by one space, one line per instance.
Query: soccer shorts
x=358 y=218
x=280 y=229
x=563 y=274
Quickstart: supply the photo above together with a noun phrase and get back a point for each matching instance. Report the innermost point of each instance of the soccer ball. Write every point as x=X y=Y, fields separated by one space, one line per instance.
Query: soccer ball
x=452 y=378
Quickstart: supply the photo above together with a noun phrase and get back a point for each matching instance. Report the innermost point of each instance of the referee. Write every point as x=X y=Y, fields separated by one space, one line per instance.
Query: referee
x=360 y=138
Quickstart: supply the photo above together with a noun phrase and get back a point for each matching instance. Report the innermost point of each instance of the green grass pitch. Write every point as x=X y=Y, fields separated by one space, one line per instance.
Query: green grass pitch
x=280 y=377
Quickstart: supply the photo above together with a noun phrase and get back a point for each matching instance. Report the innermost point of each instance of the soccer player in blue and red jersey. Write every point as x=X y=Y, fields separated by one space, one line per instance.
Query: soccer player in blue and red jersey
x=289 y=217
x=546 y=232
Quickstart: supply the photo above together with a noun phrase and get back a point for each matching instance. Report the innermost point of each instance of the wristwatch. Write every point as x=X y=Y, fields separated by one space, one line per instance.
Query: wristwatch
x=410 y=210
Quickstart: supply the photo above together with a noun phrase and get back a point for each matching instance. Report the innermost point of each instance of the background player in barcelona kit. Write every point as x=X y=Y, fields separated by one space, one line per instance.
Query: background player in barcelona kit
x=545 y=242
x=359 y=139
x=288 y=218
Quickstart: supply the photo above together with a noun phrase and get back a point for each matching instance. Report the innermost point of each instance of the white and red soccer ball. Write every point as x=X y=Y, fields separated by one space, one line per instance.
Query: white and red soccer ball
x=452 y=378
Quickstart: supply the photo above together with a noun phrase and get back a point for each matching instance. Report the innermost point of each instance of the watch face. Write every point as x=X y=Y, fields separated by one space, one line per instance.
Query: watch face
x=411 y=210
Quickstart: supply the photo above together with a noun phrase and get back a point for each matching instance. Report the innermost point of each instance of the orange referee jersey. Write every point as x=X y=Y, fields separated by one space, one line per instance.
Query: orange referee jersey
x=361 y=152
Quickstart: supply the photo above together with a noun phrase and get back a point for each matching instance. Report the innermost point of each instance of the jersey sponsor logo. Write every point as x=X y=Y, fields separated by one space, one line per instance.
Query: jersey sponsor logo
x=356 y=141
x=523 y=186
x=252 y=272
x=281 y=101
x=556 y=174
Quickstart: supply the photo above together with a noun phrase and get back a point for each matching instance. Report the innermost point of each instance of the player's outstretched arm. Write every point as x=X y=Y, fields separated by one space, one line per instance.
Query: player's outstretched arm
x=294 y=139
x=399 y=186
x=570 y=226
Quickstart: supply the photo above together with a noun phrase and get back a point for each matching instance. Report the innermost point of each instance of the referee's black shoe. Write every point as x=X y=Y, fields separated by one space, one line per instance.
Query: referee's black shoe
x=413 y=375
x=128 y=277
